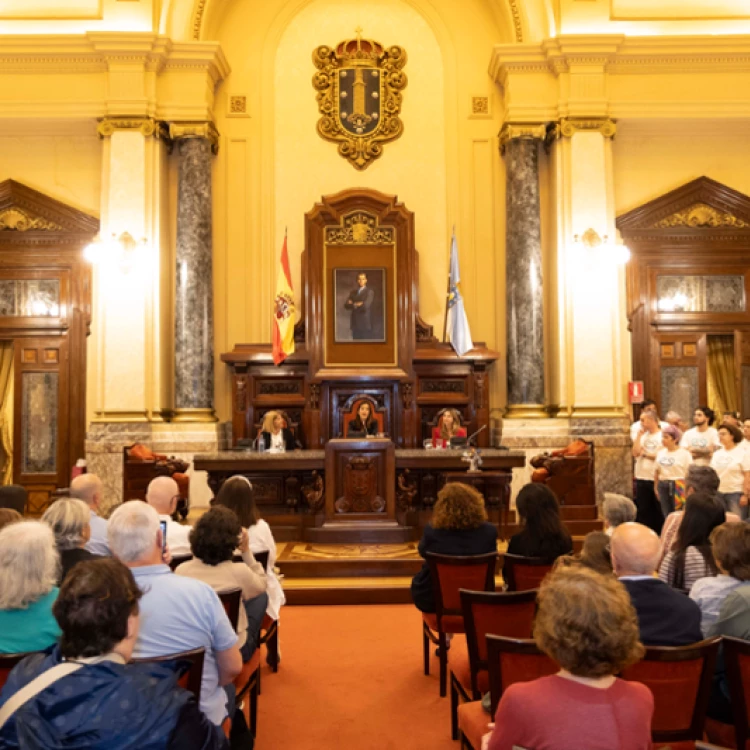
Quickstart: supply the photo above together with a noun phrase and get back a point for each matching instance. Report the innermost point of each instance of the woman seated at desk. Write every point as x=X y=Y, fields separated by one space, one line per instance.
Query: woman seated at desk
x=449 y=426
x=275 y=435
x=364 y=424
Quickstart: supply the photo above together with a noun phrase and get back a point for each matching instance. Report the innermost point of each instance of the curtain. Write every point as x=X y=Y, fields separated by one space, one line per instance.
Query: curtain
x=722 y=386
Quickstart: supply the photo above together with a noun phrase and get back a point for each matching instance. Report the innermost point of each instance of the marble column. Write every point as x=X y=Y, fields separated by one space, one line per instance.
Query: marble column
x=524 y=296
x=194 y=323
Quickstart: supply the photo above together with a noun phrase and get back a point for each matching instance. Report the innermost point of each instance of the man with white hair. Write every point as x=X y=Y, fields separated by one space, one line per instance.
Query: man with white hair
x=89 y=488
x=665 y=616
x=176 y=613
x=162 y=494
x=617 y=509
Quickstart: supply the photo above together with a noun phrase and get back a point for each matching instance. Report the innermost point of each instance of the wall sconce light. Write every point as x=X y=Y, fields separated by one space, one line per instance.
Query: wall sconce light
x=591 y=241
x=123 y=250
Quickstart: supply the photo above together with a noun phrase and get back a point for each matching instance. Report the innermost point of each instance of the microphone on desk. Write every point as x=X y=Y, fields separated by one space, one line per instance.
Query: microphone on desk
x=474 y=434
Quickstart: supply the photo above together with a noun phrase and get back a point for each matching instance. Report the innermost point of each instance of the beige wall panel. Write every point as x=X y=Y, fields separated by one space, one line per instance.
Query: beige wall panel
x=652 y=158
x=75 y=16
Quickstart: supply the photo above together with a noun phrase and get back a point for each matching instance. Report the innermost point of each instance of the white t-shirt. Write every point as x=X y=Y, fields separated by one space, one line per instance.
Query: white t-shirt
x=178 y=537
x=694 y=438
x=673 y=464
x=635 y=428
x=644 y=467
x=731 y=466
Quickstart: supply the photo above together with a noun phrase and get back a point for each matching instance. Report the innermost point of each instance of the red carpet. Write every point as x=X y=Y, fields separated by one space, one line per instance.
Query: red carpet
x=351 y=677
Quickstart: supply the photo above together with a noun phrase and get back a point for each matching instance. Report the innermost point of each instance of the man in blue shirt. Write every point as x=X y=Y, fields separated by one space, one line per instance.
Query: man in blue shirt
x=89 y=488
x=176 y=613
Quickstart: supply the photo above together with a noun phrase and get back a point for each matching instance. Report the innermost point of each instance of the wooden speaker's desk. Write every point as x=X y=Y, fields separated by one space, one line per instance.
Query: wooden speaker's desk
x=291 y=489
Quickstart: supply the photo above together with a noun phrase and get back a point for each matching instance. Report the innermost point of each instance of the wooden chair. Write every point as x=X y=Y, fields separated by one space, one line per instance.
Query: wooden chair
x=269 y=629
x=247 y=682
x=509 y=614
x=193 y=675
x=450 y=574
x=178 y=560
x=509 y=660
x=351 y=415
x=7 y=664
x=737 y=663
x=680 y=680
x=524 y=573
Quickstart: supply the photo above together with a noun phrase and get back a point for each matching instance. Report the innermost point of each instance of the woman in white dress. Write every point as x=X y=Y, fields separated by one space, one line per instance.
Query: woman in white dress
x=237 y=495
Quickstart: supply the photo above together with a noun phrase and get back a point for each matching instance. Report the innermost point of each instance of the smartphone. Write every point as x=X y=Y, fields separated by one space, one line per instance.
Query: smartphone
x=163 y=525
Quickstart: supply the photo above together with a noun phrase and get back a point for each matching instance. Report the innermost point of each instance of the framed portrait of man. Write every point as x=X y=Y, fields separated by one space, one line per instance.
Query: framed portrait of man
x=359 y=306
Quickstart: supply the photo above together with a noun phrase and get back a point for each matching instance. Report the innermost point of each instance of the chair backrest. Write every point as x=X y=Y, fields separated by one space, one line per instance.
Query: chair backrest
x=451 y=573
x=191 y=678
x=7 y=663
x=737 y=663
x=524 y=573
x=680 y=679
x=351 y=415
x=232 y=600
x=512 y=660
x=178 y=560
x=510 y=614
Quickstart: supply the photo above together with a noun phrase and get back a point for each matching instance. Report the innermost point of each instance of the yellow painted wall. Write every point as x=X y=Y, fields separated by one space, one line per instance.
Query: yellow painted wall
x=273 y=167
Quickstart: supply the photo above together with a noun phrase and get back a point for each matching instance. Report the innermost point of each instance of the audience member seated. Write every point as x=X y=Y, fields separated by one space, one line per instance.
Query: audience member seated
x=69 y=521
x=732 y=463
x=9 y=516
x=13 y=496
x=690 y=557
x=275 y=434
x=213 y=541
x=237 y=495
x=672 y=464
x=89 y=488
x=665 y=617
x=29 y=566
x=364 y=424
x=459 y=527
x=587 y=625
x=730 y=544
x=162 y=495
x=617 y=509
x=449 y=426
x=595 y=553
x=177 y=613
x=102 y=702
x=543 y=534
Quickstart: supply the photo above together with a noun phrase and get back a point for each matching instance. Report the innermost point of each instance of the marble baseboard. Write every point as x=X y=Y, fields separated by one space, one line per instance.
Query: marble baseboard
x=105 y=442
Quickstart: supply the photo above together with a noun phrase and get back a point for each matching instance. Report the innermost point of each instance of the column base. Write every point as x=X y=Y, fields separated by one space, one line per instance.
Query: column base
x=526 y=411
x=194 y=415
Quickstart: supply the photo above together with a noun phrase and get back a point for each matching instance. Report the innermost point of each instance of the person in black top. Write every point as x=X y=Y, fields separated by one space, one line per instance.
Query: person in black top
x=364 y=424
x=69 y=520
x=275 y=434
x=459 y=527
x=543 y=533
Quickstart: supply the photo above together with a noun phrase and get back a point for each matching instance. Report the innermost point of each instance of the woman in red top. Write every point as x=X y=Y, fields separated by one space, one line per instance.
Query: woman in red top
x=586 y=623
x=449 y=425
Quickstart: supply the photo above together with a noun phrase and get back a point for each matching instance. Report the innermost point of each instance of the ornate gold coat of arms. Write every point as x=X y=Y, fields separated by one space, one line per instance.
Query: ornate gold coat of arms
x=359 y=86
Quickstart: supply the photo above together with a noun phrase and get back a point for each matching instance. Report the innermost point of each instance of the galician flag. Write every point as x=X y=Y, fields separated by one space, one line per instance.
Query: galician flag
x=283 y=311
x=458 y=326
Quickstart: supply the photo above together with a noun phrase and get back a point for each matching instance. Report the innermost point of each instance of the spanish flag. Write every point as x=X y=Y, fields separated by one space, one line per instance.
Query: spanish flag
x=283 y=311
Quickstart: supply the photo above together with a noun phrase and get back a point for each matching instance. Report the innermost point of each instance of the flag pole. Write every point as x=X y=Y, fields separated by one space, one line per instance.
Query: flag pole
x=448 y=291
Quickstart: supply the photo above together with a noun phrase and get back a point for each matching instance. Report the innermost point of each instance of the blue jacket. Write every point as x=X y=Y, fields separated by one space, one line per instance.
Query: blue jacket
x=106 y=706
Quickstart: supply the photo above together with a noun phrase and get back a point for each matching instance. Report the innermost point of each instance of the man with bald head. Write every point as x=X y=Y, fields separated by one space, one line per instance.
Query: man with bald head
x=665 y=616
x=89 y=488
x=162 y=495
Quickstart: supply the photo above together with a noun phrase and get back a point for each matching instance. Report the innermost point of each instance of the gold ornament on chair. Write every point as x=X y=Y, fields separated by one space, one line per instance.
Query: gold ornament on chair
x=359 y=85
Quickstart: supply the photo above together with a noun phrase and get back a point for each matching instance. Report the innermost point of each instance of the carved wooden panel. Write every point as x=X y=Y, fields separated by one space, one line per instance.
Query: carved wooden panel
x=443 y=385
x=360 y=487
x=279 y=387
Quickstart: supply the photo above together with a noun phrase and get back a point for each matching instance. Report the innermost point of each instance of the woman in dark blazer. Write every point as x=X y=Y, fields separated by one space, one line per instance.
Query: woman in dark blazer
x=459 y=527
x=364 y=423
x=275 y=434
x=543 y=533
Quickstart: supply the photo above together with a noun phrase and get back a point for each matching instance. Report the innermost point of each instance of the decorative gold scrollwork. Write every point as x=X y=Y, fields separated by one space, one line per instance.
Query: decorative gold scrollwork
x=360 y=228
x=16 y=220
x=359 y=85
x=701 y=215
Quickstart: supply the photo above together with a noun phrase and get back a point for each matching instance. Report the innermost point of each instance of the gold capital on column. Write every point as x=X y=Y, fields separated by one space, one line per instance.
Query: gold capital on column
x=182 y=130
x=569 y=126
x=526 y=130
x=147 y=126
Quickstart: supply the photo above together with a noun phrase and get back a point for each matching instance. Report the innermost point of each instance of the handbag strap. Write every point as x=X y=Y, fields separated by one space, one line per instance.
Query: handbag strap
x=44 y=680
